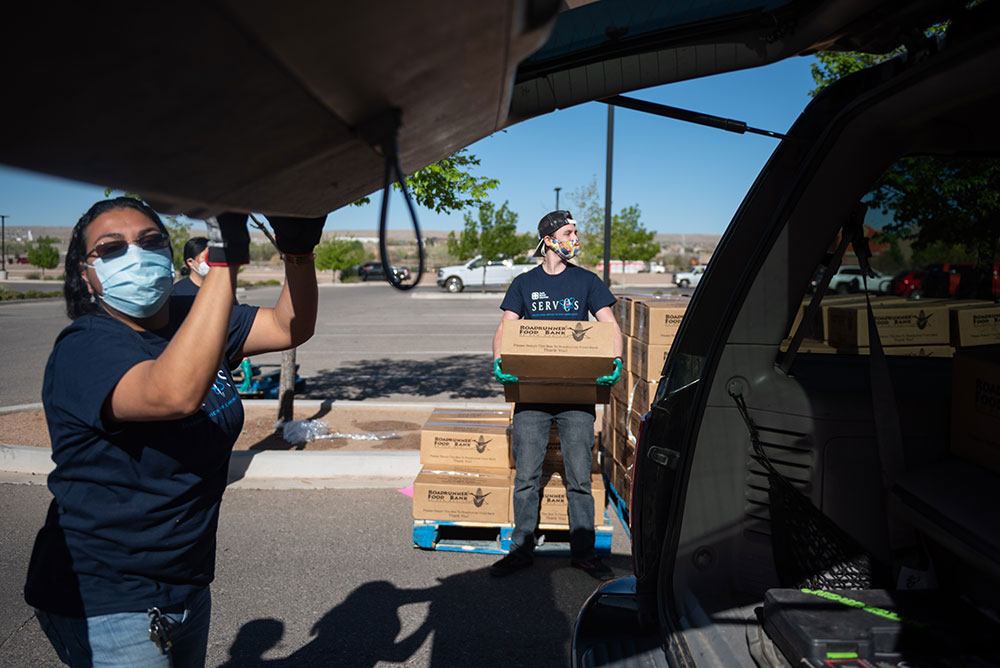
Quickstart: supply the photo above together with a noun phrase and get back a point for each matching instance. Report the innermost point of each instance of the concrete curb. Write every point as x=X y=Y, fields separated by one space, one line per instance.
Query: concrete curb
x=250 y=469
x=270 y=469
x=4 y=410
x=460 y=296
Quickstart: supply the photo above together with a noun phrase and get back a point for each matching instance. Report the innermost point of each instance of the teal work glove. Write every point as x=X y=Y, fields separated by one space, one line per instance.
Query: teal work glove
x=615 y=375
x=502 y=377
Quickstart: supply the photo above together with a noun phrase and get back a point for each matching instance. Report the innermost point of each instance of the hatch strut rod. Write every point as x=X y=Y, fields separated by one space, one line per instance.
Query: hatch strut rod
x=711 y=121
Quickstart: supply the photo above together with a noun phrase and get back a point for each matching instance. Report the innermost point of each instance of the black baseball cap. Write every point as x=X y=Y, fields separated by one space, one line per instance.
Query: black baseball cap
x=548 y=225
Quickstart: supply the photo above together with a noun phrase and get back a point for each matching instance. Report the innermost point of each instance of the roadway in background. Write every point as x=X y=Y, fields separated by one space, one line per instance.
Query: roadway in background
x=371 y=342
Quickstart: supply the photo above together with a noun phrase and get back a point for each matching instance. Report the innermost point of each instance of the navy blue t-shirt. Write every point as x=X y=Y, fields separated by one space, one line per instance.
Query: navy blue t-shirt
x=184 y=288
x=571 y=294
x=136 y=504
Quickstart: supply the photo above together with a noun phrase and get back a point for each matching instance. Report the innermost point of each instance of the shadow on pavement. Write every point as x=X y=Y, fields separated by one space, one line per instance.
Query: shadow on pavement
x=456 y=376
x=475 y=620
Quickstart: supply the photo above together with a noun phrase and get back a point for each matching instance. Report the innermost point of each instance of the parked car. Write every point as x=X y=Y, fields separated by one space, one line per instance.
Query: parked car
x=657 y=268
x=478 y=272
x=753 y=462
x=849 y=279
x=690 y=279
x=906 y=283
x=374 y=271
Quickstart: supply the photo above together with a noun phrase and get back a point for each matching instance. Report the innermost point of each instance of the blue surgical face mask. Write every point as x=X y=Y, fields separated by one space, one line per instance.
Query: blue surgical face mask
x=137 y=282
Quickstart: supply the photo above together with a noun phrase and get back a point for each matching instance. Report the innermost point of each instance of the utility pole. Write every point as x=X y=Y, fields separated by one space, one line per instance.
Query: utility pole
x=3 y=247
x=557 y=189
x=607 y=197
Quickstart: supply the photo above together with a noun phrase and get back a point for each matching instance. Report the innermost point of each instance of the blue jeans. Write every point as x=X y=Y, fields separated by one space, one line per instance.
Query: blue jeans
x=121 y=640
x=530 y=437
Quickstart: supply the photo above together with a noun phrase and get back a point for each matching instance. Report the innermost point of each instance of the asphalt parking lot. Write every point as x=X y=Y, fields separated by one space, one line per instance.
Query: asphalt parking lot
x=328 y=577
x=312 y=577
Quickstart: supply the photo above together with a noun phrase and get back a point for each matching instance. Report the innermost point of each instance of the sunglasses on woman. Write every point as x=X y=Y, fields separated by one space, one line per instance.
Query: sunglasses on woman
x=113 y=248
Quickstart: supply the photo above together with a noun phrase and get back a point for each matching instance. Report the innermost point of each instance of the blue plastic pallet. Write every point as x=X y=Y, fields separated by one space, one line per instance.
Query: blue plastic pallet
x=620 y=506
x=496 y=538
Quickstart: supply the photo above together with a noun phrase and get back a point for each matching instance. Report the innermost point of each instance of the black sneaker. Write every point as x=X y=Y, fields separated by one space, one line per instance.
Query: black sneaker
x=594 y=567
x=514 y=561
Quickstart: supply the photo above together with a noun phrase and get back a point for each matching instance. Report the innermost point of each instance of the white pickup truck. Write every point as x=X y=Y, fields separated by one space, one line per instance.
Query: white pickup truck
x=477 y=272
x=689 y=279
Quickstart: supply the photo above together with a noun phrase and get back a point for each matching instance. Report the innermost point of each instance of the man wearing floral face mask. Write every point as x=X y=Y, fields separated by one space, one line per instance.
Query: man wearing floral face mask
x=555 y=290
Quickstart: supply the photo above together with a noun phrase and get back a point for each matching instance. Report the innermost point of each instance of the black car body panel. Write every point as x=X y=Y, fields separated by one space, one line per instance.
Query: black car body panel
x=257 y=106
x=700 y=524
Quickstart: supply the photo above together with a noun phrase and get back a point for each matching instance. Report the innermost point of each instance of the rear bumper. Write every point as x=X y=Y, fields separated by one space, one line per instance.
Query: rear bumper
x=609 y=630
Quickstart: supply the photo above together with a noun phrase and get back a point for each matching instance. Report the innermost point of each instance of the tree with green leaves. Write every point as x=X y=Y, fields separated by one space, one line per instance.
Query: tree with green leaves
x=945 y=202
x=588 y=212
x=44 y=254
x=447 y=185
x=492 y=235
x=339 y=254
x=937 y=202
x=630 y=240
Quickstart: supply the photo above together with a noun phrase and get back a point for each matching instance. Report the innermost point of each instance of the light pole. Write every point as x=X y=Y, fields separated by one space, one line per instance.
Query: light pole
x=557 y=189
x=607 y=196
x=3 y=247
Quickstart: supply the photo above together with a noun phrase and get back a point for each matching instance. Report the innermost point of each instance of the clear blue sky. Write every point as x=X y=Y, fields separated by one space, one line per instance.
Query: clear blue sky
x=685 y=178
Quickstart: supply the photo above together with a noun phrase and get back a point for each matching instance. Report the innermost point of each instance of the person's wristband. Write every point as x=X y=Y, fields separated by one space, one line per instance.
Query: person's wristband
x=305 y=258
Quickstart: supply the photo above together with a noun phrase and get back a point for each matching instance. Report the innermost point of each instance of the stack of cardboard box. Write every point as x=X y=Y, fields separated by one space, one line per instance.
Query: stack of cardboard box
x=467 y=464
x=966 y=330
x=649 y=325
x=466 y=467
x=975 y=409
x=468 y=471
x=912 y=328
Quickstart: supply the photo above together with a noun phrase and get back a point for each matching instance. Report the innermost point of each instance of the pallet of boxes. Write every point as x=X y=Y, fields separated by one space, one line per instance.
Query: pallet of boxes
x=964 y=334
x=649 y=325
x=462 y=497
x=906 y=327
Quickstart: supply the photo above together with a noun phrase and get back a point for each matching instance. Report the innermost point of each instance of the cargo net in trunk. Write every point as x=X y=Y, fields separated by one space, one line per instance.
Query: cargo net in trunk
x=810 y=551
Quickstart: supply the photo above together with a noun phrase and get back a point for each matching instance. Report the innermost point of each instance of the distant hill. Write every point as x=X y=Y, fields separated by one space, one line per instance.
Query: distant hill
x=13 y=232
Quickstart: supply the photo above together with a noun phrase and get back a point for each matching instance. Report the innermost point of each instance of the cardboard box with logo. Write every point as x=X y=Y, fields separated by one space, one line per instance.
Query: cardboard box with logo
x=478 y=416
x=822 y=348
x=657 y=321
x=463 y=496
x=622 y=309
x=553 y=508
x=620 y=421
x=820 y=324
x=624 y=451
x=557 y=361
x=975 y=412
x=623 y=388
x=921 y=323
x=648 y=359
x=449 y=445
x=643 y=394
x=975 y=324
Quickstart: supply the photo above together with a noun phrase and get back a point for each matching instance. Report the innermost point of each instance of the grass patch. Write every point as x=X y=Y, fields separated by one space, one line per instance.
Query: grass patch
x=7 y=295
x=257 y=284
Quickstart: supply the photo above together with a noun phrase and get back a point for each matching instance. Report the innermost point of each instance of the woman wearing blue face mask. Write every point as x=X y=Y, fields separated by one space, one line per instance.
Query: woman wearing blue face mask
x=195 y=267
x=143 y=415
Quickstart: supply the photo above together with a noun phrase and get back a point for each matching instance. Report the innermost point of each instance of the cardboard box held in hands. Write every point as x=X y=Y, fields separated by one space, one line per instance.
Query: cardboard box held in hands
x=557 y=361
